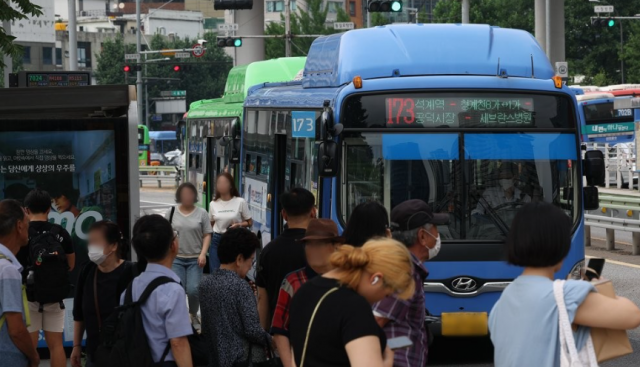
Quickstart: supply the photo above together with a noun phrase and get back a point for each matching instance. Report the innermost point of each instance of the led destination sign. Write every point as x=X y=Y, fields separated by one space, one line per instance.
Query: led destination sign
x=70 y=79
x=457 y=111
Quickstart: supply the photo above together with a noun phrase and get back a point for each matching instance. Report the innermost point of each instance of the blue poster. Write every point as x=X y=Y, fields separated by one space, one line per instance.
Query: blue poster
x=303 y=124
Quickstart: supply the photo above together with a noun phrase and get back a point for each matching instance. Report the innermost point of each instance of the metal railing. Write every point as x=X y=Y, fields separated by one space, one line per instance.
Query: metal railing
x=159 y=174
x=616 y=213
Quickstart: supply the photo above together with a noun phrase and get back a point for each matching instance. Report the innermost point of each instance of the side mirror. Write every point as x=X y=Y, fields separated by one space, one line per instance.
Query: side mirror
x=328 y=163
x=234 y=139
x=593 y=165
x=591 y=200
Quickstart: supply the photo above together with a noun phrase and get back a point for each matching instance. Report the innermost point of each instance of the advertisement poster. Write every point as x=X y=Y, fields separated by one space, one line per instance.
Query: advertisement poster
x=75 y=167
x=255 y=193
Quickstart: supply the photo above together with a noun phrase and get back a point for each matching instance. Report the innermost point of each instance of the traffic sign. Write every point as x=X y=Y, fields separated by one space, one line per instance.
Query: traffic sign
x=173 y=93
x=562 y=69
x=166 y=52
x=603 y=9
x=132 y=56
x=197 y=50
x=182 y=55
x=227 y=27
x=343 y=25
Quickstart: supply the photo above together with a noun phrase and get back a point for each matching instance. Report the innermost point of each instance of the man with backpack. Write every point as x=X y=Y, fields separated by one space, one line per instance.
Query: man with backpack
x=154 y=320
x=49 y=259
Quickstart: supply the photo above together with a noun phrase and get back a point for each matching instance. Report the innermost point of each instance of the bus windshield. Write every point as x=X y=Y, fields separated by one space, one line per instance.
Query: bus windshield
x=479 y=177
x=602 y=113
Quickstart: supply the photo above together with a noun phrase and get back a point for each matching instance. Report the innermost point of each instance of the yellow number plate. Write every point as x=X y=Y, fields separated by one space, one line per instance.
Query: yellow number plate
x=465 y=324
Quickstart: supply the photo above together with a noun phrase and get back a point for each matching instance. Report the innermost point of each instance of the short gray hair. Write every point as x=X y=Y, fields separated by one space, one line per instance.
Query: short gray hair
x=409 y=238
x=11 y=212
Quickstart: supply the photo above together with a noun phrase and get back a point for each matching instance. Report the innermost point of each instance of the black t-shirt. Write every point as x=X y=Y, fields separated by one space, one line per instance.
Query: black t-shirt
x=36 y=228
x=279 y=258
x=343 y=316
x=110 y=287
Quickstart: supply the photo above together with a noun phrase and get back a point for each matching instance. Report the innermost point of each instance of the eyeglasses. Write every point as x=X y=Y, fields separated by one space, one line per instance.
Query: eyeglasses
x=176 y=234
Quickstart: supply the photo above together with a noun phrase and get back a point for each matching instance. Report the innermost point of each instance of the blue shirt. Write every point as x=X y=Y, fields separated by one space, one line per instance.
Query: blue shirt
x=524 y=322
x=165 y=315
x=10 y=301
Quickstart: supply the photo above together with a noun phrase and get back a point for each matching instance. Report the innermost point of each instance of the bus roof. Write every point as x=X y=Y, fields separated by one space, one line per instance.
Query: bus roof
x=240 y=79
x=626 y=92
x=162 y=135
x=616 y=87
x=588 y=96
x=424 y=49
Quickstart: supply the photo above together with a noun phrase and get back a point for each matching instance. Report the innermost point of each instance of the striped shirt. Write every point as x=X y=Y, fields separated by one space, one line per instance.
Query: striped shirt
x=10 y=301
x=290 y=285
x=406 y=318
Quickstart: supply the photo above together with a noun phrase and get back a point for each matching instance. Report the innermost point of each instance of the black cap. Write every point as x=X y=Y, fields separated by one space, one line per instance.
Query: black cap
x=413 y=214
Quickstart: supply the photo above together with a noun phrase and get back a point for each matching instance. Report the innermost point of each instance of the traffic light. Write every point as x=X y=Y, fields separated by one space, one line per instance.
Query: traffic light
x=232 y=4
x=385 y=6
x=180 y=67
x=229 y=42
x=127 y=68
x=602 y=22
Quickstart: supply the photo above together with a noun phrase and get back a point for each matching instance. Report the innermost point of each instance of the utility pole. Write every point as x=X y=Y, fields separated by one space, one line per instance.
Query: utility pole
x=139 y=72
x=287 y=28
x=8 y=60
x=73 y=36
x=465 y=11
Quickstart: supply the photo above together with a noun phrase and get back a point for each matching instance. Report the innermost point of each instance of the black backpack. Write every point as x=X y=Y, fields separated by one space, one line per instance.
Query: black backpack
x=124 y=342
x=48 y=262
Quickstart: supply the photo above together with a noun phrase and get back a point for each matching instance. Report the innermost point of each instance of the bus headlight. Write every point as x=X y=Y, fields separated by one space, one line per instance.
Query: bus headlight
x=577 y=272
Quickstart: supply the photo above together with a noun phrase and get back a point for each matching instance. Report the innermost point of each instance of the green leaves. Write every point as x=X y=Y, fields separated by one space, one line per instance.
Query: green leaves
x=23 y=9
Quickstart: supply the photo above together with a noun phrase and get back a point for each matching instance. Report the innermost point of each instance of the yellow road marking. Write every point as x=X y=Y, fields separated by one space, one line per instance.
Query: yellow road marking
x=617 y=262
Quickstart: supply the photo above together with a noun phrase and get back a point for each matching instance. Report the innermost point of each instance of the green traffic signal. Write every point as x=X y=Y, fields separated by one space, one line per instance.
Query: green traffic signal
x=611 y=22
x=237 y=42
x=396 y=6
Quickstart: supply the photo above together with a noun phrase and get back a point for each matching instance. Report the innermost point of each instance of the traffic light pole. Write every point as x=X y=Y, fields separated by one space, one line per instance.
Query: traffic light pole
x=287 y=28
x=141 y=118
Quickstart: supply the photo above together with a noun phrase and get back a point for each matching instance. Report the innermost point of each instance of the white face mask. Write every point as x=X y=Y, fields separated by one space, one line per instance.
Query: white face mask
x=96 y=254
x=506 y=183
x=433 y=252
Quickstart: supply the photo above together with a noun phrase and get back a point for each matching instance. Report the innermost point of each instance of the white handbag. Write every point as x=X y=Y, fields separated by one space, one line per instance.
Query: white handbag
x=569 y=355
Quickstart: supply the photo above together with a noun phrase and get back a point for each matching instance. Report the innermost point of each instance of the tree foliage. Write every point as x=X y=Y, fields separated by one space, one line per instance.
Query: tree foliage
x=590 y=51
x=311 y=21
x=205 y=80
x=22 y=10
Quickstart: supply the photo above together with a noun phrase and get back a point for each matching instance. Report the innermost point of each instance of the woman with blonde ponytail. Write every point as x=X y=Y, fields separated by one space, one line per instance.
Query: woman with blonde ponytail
x=331 y=322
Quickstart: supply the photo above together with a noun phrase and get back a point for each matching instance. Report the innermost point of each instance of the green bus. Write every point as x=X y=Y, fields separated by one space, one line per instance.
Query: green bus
x=144 y=156
x=213 y=126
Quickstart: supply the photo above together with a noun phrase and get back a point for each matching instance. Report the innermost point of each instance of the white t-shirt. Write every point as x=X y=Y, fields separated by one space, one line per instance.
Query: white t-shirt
x=226 y=213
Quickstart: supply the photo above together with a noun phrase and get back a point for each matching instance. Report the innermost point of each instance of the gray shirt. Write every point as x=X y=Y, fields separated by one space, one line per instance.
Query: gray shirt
x=191 y=228
x=165 y=315
x=524 y=322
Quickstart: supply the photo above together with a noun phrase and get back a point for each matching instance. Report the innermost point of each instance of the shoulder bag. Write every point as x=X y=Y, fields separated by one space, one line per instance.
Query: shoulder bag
x=569 y=355
x=313 y=315
x=609 y=343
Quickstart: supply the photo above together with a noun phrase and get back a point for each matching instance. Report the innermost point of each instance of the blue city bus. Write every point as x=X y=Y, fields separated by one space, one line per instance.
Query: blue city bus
x=424 y=112
x=602 y=123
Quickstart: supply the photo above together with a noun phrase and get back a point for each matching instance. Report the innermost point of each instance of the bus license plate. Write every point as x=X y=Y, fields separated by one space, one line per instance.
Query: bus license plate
x=465 y=324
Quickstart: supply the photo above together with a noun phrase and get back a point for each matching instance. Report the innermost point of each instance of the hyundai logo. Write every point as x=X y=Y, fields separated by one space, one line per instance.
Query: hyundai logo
x=464 y=284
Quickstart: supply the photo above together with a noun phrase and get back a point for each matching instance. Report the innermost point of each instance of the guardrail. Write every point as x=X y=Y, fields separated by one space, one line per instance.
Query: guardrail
x=616 y=213
x=160 y=173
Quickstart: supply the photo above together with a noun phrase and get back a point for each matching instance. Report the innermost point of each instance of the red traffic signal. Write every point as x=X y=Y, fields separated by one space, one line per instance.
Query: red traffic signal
x=126 y=68
x=177 y=68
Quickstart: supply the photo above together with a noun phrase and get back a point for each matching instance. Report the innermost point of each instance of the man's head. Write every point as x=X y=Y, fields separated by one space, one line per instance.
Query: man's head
x=320 y=242
x=507 y=173
x=14 y=225
x=298 y=205
x=37 y=202
x=414 y=224
x=154 y=239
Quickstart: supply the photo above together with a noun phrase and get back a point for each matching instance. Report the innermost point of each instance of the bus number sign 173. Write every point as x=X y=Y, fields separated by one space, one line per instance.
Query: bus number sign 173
x=303 y=124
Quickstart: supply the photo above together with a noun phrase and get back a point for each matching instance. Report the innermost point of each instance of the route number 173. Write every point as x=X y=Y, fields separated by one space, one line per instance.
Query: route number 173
x=303 y=124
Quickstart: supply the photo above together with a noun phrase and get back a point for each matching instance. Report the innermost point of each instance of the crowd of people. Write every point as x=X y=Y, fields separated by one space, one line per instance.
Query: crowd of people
x=318 y=298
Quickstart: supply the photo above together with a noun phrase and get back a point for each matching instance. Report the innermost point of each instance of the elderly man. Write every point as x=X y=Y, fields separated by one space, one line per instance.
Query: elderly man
x=414 y=224
x=16 y=346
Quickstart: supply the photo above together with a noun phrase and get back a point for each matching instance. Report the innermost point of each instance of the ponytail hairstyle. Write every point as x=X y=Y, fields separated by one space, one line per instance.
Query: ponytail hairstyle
x=384 y=255
x=112 y=234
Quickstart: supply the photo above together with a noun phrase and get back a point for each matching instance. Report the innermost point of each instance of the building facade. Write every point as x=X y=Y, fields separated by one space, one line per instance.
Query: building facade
x=37 y=36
